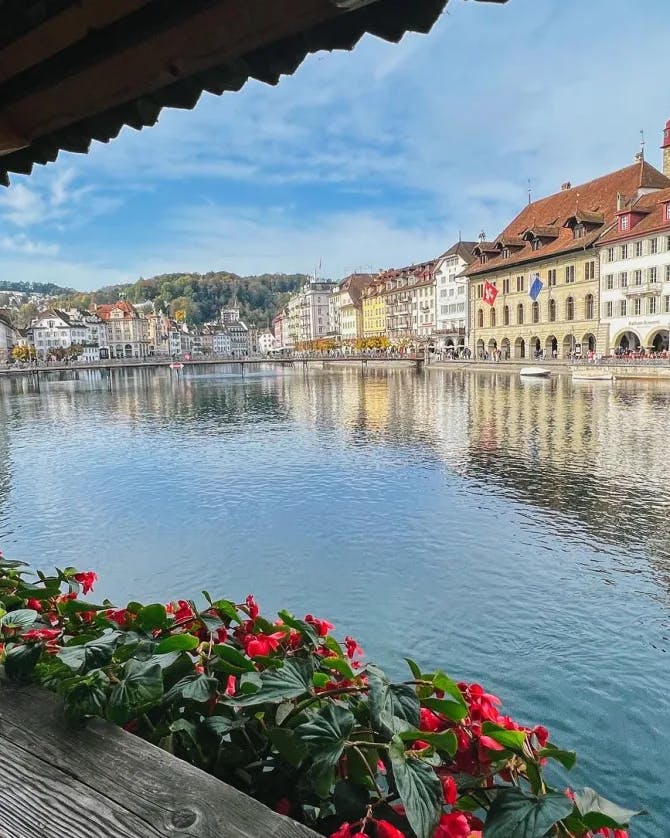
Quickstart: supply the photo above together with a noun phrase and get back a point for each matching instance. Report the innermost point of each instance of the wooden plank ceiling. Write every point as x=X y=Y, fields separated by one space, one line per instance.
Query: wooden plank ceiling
x=72 y=71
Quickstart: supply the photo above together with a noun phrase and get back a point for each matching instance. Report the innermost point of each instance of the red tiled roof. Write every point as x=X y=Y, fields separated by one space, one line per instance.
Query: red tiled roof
x=652 y=207
x=105 y=311
x=597 y=196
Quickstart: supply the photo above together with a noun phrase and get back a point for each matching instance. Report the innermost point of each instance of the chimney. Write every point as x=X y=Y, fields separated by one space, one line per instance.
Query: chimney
x=666 y=149
x=620 y=201
x=565 y=186
x=482 y=236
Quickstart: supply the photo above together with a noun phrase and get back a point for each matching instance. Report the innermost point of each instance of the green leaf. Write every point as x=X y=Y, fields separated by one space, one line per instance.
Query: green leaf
x=419 y=788
x=330 y=727
x=227 y=608
x=140 y=689
x=339 y=665
x=415 y=669
x=444 y=741
x=513 y=740
x=23 y=618
x=288 y=745
x=393 y=707
x=186 y=727
x=451 y=691
x=293 y=680
x=20 y=661
x=351 y=800
x=50 y=588
x=178 y=642
x=450 y=709
x=152 y=617
x=92 y=655
x=320 y=679
x=234 y=657
x=220 y=726
x=597 y=811
x=566 y=758
x=514 y=814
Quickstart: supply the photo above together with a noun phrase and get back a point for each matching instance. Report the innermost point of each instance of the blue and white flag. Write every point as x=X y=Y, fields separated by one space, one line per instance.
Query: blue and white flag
x=535 y=287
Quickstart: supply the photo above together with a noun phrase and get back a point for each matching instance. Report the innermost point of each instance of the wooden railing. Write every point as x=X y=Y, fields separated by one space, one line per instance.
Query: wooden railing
x=97 y=781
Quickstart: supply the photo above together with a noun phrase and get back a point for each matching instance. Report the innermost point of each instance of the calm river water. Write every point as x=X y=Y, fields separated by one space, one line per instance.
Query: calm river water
x=515 y=533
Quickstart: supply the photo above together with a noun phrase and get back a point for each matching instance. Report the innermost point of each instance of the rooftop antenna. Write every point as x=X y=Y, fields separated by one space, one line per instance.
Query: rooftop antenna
x=530 y=192
x=642 y=144
x=460 y=236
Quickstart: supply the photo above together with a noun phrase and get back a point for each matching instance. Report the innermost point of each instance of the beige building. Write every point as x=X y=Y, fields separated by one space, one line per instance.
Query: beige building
x=127 y=330
x=346 y=310
x=410 y=303
x=554 y=239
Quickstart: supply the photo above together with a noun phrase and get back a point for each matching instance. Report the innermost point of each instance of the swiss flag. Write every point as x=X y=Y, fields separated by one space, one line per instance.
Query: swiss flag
x=490 y=293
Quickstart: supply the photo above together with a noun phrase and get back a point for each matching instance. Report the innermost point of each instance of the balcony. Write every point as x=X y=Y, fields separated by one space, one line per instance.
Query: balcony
x=643 y=289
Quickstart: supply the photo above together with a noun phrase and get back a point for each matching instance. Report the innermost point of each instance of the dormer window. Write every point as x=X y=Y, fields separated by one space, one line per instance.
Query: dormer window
x=536 y=244
x=505 y=253
x=579 y=231
x=624 y=222
x=667 y=212
x=483 y=258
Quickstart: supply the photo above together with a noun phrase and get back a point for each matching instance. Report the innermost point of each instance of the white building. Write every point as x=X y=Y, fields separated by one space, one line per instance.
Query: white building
x=266 y=342
x=239 y=338
x=230 y=315
x=9 y=336
x=451 y=296
x=308 y=312
x=635 y=275
x=221 y=343
x=127 y=331
x=54 y=330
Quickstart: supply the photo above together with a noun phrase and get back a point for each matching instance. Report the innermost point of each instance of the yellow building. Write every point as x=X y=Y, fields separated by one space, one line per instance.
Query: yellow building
x=374 y=310
x=554 y=239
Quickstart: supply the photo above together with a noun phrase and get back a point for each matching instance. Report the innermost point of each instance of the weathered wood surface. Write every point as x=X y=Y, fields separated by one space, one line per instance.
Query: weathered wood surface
x=58 y=781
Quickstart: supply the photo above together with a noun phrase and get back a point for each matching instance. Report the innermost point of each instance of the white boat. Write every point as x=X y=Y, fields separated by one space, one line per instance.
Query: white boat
x=591 y=375
x=534 y=372
x=176 y=365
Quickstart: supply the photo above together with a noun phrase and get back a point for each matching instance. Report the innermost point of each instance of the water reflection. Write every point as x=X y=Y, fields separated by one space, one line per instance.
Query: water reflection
x=517 y=529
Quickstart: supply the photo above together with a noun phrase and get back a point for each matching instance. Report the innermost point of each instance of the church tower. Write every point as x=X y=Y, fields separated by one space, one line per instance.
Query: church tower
x=666 y=149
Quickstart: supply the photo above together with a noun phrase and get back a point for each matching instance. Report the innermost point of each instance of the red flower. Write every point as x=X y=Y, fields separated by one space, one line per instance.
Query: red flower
x=221 y=634
x=231 y=685
x=491 y=744
x=35 y=604
x=252 y=606
x=283 y=806
x=352 y=647
x=36 y=635
x=429 y=721
x=387 y=830
x=322 y=626
x=182 y=612
x=86 y=579
x=542 y=735
x=450 y=790
x=343 y=832
x=120 y=616
x=262 y=644
x=453 y=825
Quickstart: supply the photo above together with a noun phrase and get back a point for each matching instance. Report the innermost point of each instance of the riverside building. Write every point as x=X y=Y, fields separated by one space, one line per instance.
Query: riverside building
x=451 y=296
x=554 y=240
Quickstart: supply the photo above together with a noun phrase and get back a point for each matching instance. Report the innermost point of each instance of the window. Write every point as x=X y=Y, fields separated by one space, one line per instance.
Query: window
x=519 y=312
x=624 y=224
x=637 y=306
x=609 y=282
x=505 y=253
x=570 y=308
x=653 y=272
x=653 y=245
x=551 y=277
x=506 y=316
x=610 y=254
x=666 y=300
x=590 y=270
x=492 y=318
x=667 y=240
x=667 y=212
x=480 y=318
x=536 y=312
x=624 y=251
x=637 y=277
x=569 y=274
x=536 y=244
x=519 y=283
x=667 y=273
x=638 y=248
x=622 y=308
x=651 y=305
x=588 y=307
x=480 y=290
x=578 y=231
x=608 y=309
x=623 y=280
x=552 y=311
x=506 y=286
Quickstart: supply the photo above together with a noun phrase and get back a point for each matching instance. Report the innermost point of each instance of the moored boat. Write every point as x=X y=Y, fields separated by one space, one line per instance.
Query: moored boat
x=534 y=372
x=176 y=365
x=591 y=375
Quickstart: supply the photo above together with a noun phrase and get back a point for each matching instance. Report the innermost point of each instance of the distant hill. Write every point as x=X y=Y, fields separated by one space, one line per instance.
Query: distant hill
x=201 y=296
x=47 y=288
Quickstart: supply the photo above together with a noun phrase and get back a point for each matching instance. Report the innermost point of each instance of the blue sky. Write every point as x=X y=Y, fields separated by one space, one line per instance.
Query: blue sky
x=361 y=160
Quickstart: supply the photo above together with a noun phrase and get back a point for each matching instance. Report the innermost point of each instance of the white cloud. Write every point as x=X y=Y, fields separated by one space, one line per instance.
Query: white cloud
x=22 y=244
x=22 y=205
